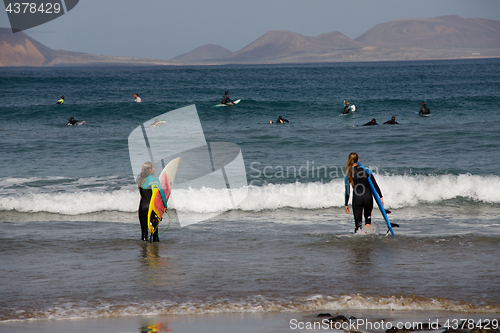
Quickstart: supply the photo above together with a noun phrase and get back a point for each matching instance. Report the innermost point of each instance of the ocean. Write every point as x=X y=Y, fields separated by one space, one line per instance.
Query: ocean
x=70 y=236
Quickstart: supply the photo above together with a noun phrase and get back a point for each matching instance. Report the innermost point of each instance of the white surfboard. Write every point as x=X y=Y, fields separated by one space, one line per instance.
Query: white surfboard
x=234 y=103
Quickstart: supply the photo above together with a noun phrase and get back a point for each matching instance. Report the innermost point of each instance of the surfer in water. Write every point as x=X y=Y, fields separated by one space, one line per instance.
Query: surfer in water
x=392 y=121
x=146 y=182
x=362 y=200
x=137 y=98
x=72 y=121
x=424 y=109
x=281 y=120
x=155 y=123
x=371 y=122
x=61 y=101
x=348 y=108
x=226 y=99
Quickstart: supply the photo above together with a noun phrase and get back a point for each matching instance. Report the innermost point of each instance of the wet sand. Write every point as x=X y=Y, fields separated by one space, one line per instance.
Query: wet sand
x=363 y=321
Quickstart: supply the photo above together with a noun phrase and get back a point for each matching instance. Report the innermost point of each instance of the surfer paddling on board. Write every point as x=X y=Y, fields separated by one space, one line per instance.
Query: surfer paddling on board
x=61 y=101
x=371 y=122
x=146 y=182
x=72 y=121
x=280 y=120
x=392 y=121
x=362 y=200
x=155 y=123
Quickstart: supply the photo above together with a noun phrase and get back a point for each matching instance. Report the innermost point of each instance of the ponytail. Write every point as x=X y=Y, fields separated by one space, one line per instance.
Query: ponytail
x=353 y=158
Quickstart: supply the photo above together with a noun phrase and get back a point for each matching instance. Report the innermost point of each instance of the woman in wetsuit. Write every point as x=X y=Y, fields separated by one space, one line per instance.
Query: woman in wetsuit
x=146 y=182
x=362 y=200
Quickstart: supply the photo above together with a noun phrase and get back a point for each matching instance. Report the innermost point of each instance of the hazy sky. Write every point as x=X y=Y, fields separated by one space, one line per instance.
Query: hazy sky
x=167 y=28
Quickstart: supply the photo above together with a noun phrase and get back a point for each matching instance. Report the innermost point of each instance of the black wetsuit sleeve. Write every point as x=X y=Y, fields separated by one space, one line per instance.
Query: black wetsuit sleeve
x=375 y=185
x=286 y=120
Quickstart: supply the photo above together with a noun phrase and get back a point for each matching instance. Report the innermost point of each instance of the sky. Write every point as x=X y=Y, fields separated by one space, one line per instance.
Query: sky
x=164 y=29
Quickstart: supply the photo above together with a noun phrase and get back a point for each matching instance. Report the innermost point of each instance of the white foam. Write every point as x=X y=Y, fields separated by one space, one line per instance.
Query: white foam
x=72 y=203
x=255 y=304
x=398 y=191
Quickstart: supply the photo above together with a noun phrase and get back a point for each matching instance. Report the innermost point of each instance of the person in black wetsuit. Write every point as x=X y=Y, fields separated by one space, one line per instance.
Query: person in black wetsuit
x=72 y=121
x=424 y=109
x=226 y=99
x=347 y=108
x=146 y=182
x=392 y=121
x=280 y=120
x=362 y=200
x=371 y=122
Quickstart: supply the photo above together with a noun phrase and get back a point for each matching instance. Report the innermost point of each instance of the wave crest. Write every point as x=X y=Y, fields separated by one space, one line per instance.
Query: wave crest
x=399 y=192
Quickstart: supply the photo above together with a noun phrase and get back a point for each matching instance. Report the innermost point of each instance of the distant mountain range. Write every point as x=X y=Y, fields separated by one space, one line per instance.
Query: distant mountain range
x=444 y=37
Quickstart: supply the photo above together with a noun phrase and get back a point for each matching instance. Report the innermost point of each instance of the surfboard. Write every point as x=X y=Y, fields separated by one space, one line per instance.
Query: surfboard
x=234 y=103
x=377 y=199
x=167 y=177
x=353 y=109
x=159 y=124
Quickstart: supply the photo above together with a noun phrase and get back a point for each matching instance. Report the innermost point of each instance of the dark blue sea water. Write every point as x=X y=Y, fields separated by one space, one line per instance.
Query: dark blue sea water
x=69 y=233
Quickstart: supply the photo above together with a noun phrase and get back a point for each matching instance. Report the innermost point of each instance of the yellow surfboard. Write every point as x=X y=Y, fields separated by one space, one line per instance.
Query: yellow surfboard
x=156 y=206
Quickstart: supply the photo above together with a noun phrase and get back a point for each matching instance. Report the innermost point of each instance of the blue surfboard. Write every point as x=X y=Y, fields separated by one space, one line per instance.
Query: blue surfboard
x=377 y=198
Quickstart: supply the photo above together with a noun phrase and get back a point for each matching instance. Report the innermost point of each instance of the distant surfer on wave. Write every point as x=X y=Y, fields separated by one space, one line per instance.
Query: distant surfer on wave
x=61 y=101
x=72 y=121
x=226 y=100
x=146 y=182
x=280 y=120
x=362 y=200
x=424 y=109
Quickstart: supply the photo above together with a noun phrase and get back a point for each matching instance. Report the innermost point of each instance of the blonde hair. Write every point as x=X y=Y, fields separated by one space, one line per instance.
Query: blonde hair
x=147 y=169
x=353 y=158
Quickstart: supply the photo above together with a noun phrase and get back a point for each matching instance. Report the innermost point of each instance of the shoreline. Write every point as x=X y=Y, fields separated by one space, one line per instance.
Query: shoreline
x=272 y=322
